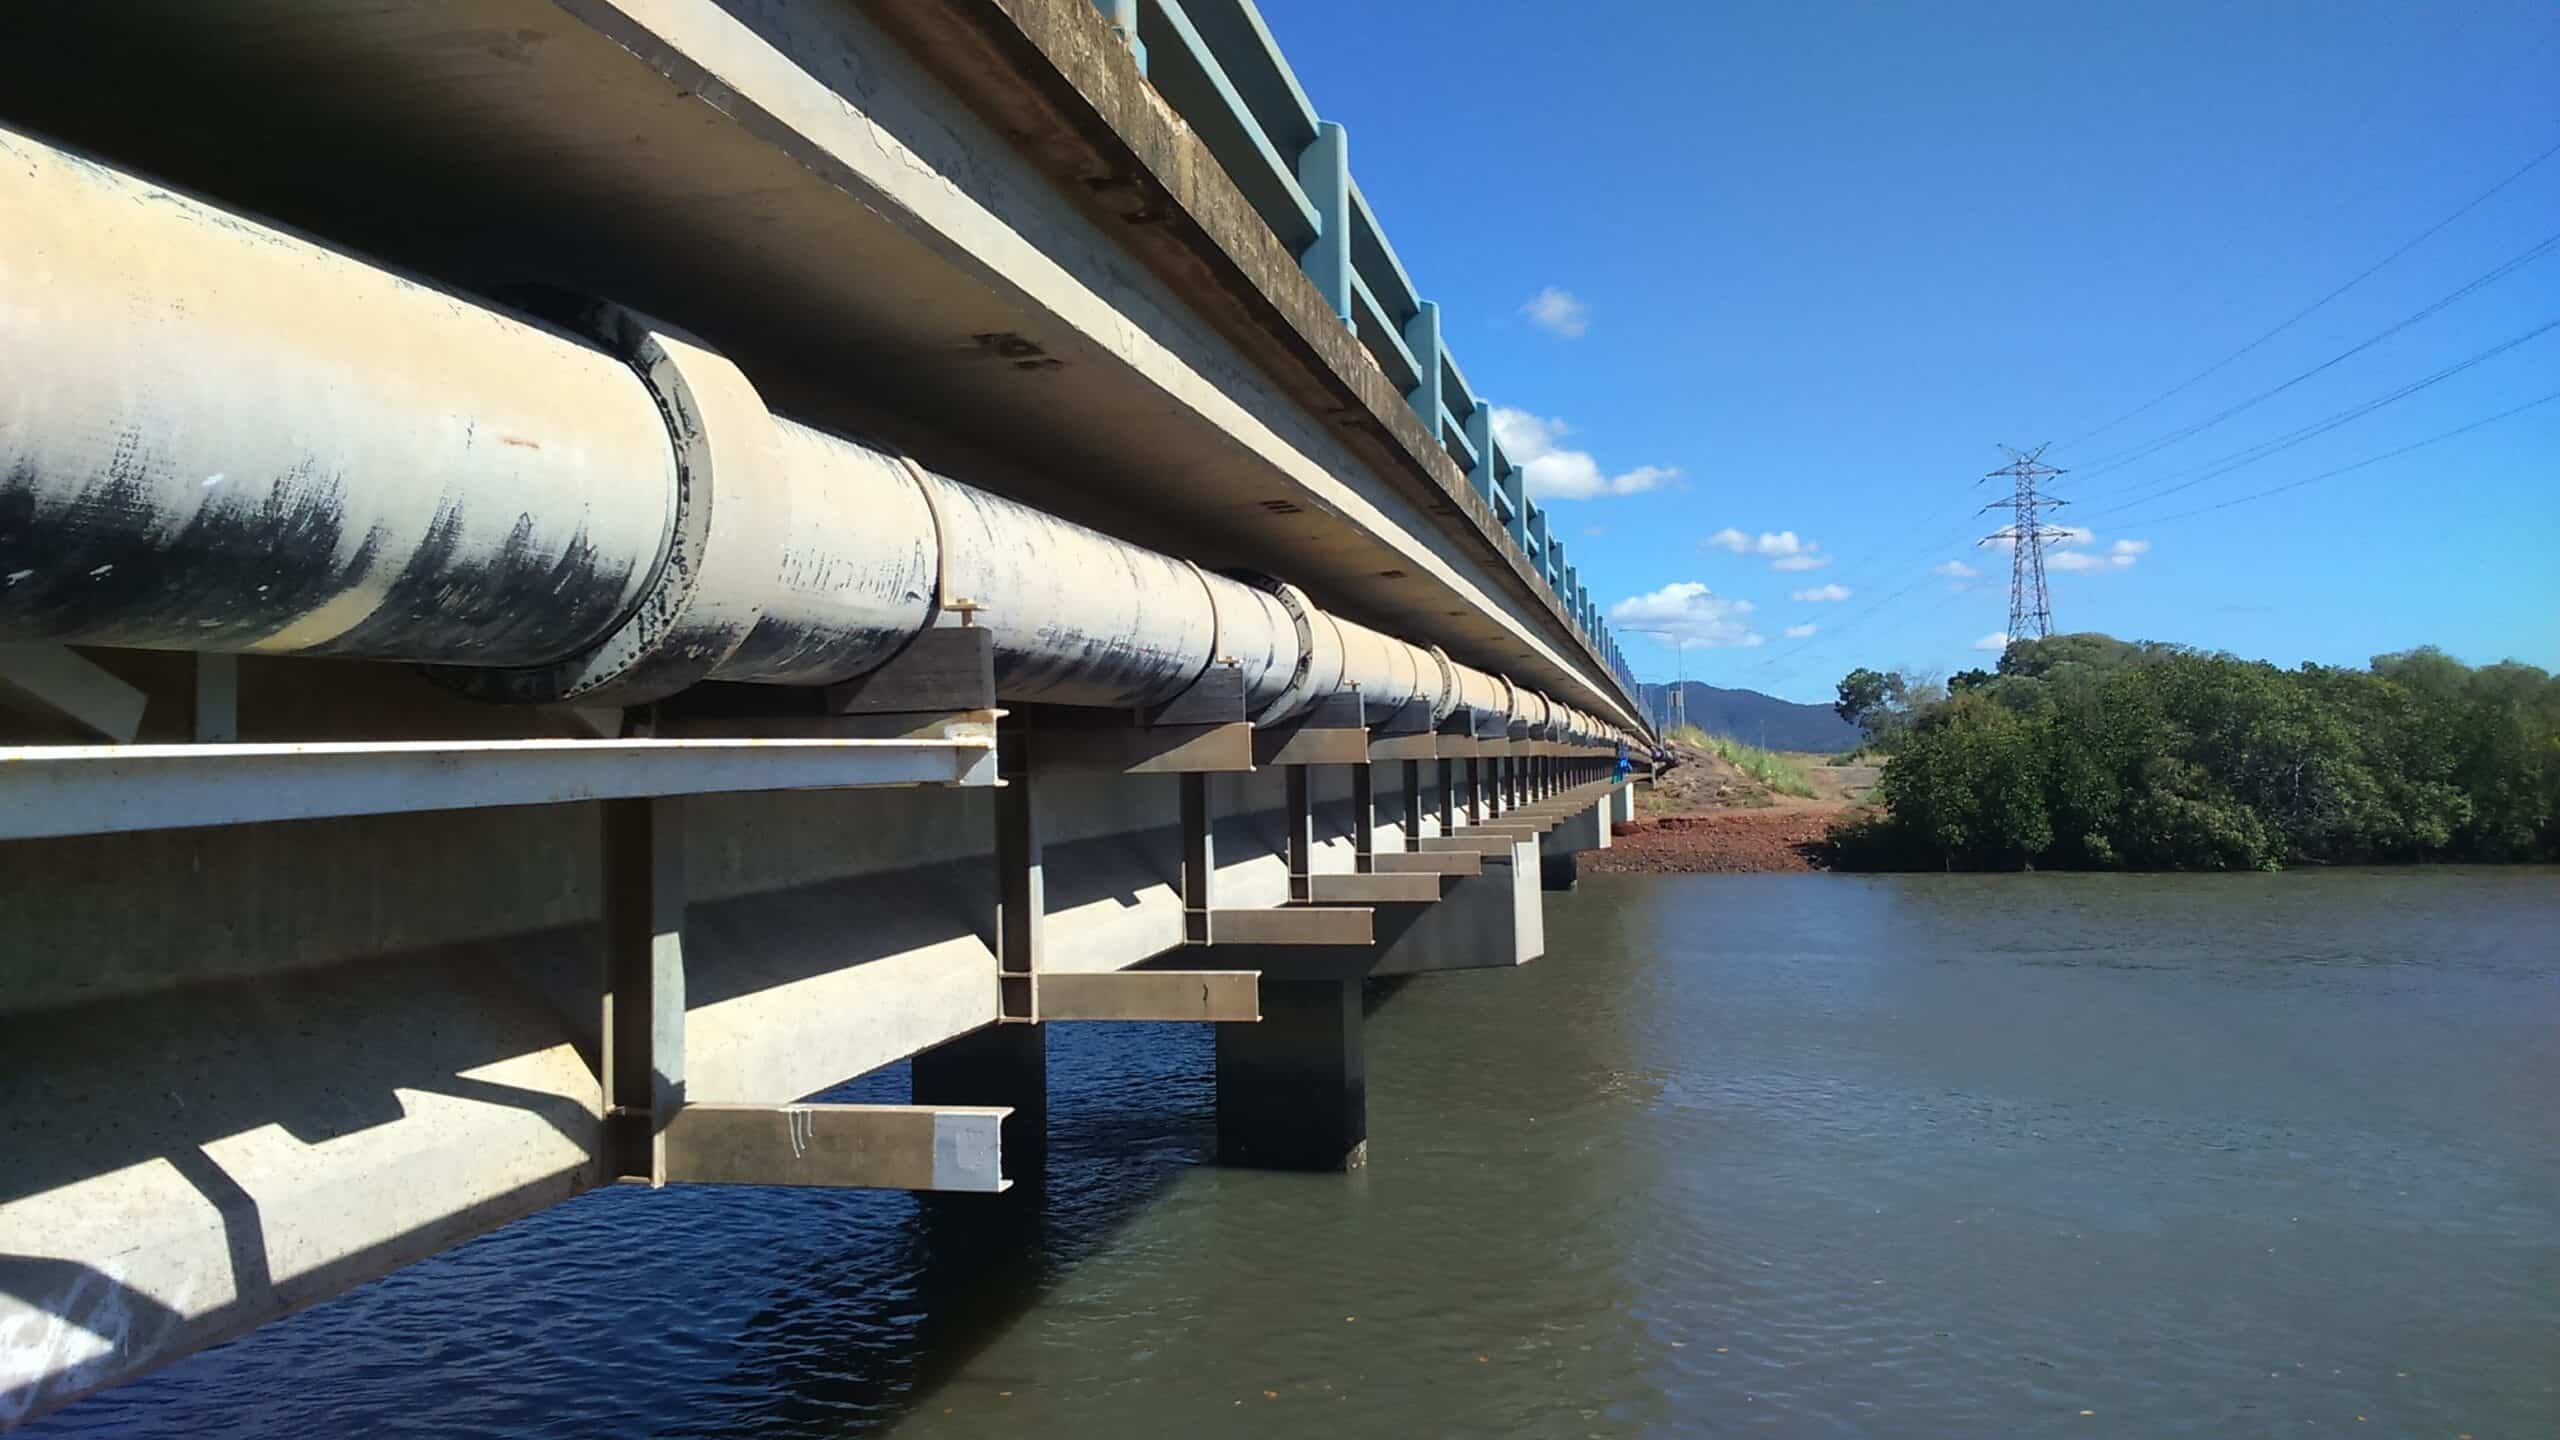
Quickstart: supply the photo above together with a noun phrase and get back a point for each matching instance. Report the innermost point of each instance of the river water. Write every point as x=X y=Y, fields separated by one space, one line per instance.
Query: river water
x=1805 y=1154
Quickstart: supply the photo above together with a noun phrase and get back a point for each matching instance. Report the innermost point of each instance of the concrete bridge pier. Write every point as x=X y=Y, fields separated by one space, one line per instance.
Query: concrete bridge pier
x=1560 y=849
x=1293 y=1091
x=1558 y=871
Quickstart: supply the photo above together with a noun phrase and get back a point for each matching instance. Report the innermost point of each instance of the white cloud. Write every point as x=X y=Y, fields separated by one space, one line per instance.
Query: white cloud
x=1594 y=532
x=1689 y=613
x=1552 y=472
x=2069 y=554
x=1824 y=594
x=1956 y=570
x=1783 y=542
x=1996 y=641
x=1558 y=312
x=1799 y=632
x=2120 y=556
x=1782 y=548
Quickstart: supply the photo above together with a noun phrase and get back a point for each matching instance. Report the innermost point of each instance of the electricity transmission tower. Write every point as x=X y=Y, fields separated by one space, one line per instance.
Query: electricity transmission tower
x=2030 y=608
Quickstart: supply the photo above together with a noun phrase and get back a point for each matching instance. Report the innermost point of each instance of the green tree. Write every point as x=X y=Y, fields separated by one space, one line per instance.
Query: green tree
x=1884 y=704
x=2085 y=650
x=1968 y=786
x=1866 y=696
x=2089 y=751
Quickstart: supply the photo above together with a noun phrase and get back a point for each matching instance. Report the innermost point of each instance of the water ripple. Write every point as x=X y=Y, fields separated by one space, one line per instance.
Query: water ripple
x=1808 y=1155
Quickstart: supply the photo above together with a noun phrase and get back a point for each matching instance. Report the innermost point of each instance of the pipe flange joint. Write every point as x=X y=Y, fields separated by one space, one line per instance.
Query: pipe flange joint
x=1445 y=703
x=728 y=520
x=1319 y=669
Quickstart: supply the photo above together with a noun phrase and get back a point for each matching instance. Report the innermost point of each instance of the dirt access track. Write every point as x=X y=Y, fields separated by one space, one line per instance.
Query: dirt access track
x=1705 y=816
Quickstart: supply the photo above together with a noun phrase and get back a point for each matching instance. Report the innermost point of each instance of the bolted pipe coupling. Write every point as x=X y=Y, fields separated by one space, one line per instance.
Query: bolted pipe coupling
x=723 y=547
x=1318 y=672
x=1444 y=700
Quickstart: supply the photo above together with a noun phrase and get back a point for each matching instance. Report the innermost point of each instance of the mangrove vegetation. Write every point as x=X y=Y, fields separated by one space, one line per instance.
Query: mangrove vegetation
x=2088 y=752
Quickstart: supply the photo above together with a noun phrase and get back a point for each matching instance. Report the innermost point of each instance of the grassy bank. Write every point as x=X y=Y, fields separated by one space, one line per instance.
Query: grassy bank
x=1775 y=771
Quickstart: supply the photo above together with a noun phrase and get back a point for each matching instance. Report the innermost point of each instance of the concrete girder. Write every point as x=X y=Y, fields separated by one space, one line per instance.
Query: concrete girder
x=894 y=1147
x=1225 y=996
x=56 y=790
x=1491 y=920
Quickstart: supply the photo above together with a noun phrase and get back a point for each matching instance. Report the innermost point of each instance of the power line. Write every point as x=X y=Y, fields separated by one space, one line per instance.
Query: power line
x=2305 y=312
x=2250 y=455
x=1832 y=633
x=2143 y=451
x=1676 y=694
x=1856 y=618
x=1849 y=624
x=2287 y=324
x=2358 y=465
x=2030 y=604
x=2255 y=453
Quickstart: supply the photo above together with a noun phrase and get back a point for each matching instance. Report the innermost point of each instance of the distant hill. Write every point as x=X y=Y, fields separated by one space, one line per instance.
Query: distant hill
x=1756 y=719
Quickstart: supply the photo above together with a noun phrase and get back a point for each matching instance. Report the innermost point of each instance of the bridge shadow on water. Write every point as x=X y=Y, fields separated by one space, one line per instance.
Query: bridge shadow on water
x=850 y=1348
x=712 y=1310
x=601 y=1310
x=723 y=1311
x=857 y=1347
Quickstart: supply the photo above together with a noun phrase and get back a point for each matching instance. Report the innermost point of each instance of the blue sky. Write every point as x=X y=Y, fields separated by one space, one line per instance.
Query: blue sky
x=1821 y=259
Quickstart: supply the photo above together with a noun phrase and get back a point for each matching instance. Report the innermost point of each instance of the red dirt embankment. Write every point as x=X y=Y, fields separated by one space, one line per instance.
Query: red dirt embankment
x=1705 y=816
x=1718 y=842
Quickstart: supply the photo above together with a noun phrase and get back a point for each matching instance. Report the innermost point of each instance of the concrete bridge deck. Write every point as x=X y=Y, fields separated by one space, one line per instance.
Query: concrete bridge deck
x=366 y=886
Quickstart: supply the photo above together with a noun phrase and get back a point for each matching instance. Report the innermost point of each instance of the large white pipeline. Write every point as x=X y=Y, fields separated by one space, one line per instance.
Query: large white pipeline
x=219 y=436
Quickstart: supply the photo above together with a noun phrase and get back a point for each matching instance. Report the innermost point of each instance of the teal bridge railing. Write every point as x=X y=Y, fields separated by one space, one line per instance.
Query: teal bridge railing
x=1215 y=63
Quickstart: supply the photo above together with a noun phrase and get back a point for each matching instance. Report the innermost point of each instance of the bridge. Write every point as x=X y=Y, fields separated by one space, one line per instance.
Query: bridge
x=576 y=573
